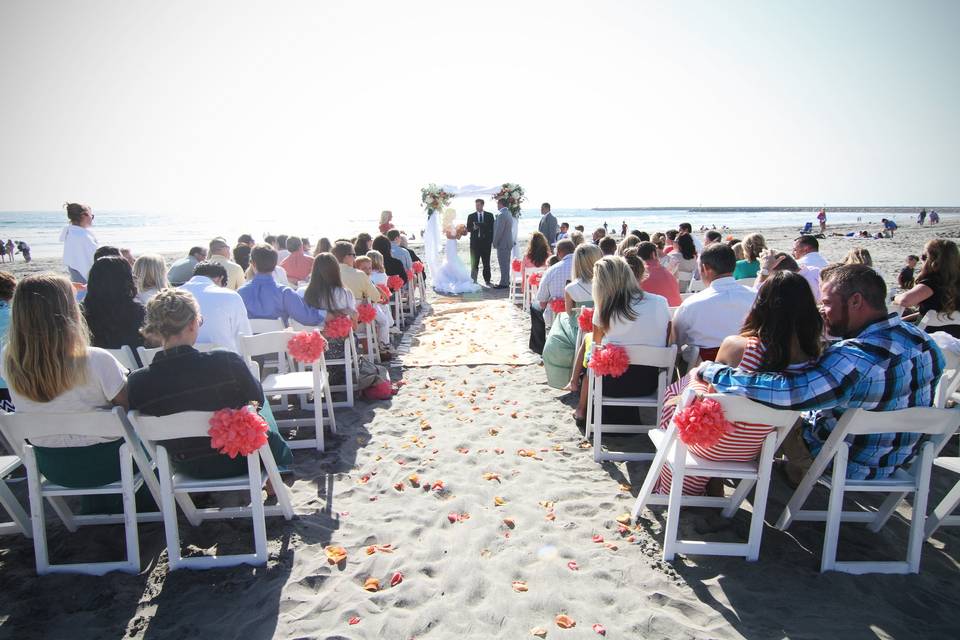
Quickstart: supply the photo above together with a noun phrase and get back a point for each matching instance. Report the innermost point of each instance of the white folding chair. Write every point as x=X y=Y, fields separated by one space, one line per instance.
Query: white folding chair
x=124 y=356
x=934 y=319
x=664 y=358
x=673 y=452
x=530 y=290
x=266 y=325
x=147 y=354
x=20 y=521
x=367 y=331
x=673 y=312
x=747 y=282
x=695 y=285
x=421 y=284
x=938 y=424
x=516 y=286
x=398 y=309
x=684 y=278
x=153 y=432
x=18 y=428
x=350 y=363
x=314 y=381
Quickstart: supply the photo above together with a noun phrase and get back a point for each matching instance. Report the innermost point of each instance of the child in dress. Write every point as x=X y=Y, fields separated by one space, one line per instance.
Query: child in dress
x=372 y=265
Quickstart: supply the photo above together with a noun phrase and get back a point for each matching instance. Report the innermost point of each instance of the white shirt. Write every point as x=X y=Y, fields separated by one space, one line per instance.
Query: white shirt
x=79 y=245
x=810 y=266
x=813 y=259
x=649 y=328
x=579 y=291
x=707 y=317
x=223 y=311
x=343 y=299
x=105 y=380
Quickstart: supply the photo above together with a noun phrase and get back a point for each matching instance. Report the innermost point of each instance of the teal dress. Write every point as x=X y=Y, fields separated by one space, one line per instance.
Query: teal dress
x=746 y=269
x=560 y=349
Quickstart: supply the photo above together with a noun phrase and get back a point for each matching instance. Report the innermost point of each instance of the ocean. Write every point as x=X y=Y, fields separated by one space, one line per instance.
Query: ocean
x=147 y=232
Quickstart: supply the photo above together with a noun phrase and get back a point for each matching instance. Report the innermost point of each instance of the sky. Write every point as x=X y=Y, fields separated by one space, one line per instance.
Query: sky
x=220 y=107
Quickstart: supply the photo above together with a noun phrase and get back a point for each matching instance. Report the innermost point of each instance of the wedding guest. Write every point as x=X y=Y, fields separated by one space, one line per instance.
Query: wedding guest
x=50 y=367
x=561 y=343
x=630 y=242
x=180 y=378
x=413 y=255
x=669 y=238
x=608 y=245
x=385 y=222
x=79 y=243
x=362 y=245
x=782 y=332
x=749 y=267
x=224 y=316
x=852 y=373
x=305 y=243
x=219 y=253
x=8 y=285
x=398 y=251
x=564 y=231
x=392 y=266
x=712 y=237
x=324 y=245
x=241 y=255
x=858 y=256
x=643 y=236
x=150 y=276
x=687 y=228
x=281 y=248
x=378 y=277
x=326 y=290
x=298 y=264
x=182 y=270
x=772 y=262
x=110 y=307
x=937 y=286
x=552 y=284
x=538 y=250
x=356 y=281
x=738 y=253
x=683 y=258
x=707 y=317
x=264 y=298
x=635 y=264
x=659 y=240
x=577 y=238
x=905 y=279
x=548 y=224
x=624 y=315
x=598 y=234
x=658 y=280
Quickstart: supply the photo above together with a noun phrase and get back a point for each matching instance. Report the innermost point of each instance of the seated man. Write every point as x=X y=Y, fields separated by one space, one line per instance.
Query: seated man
x=658 y=280
x=182 y=270
x=220 y=253
x=881 y=364
x=707 y=317
x=552 y=285
x=356 y=281
x=223 y=316
x=397 y=251
x=298 y=264
x=264 y=298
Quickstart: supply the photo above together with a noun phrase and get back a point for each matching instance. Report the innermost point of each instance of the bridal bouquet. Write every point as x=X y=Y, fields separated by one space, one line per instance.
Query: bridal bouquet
x=513 y=194
x=434 y=198
x=461 y=230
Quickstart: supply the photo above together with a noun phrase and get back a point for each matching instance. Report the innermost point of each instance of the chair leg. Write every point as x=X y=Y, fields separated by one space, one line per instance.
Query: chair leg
x=942 y=510
x=919 y=515
x=676 y=497
x=885 y=511
x=760 y=496
x=321 y=397
x=835 y=510
x=653 y=473
x=129 y=510
x=36 y=512
x=169 y=509
x=739 y=495
x=280 y=489
x=589 y=414
x=17 y=513
x=256 y=508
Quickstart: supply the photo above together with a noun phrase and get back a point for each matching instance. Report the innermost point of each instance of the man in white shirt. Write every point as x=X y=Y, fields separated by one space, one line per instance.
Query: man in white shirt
x=552 y=284
x=220 y=254
x=223 y=313
x=706 y=318
x=806 y=250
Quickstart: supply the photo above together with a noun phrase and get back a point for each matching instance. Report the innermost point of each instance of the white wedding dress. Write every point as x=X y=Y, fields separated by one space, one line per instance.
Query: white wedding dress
x=453 y=277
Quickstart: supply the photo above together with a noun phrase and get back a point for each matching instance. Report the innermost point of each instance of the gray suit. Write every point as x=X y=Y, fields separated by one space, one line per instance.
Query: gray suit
x=549 y=228
x=503 y=243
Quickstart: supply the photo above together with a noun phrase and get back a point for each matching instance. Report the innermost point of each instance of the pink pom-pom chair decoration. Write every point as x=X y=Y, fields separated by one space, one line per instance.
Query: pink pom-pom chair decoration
x=237 y=431
x=535 y=279
x=610 y=360
x=418 y=267
x=366 y=313
x=337 y=327
x=383 y=290
x=701 y=423
x=586 y=319
x=515 y=265
x=307 y=346
x=394 y=282
x=409 y=274
x=557 y=305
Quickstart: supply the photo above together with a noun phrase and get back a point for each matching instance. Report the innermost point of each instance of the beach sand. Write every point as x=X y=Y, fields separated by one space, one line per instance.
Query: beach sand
x=473 y=400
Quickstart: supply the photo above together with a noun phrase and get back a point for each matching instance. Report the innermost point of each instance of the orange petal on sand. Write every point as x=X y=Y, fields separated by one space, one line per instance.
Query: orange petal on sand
x=396 y=579
x=599 y=628
x=464 y=516
x=414 y=480
x=565 y=622
x=610 y=545
x=540 y=632
x=371 y=584
x=453 y=517
x=498 y=501
x=573 y=566
x=398 y=486
x=509 y=522
x=625 y=488
x=558 y=447
x=385 y=548
x=623 y=518
x=372 y=549
x=551 y=516
x=513 y=415
x=585 y=445
x=438 y=485
x=353 y=620
x=597 y=538
x=493 y=432
x=546 y=504
x=363 y=479
x=335 y=555
x=520 y=586
x=463 y=450
x=498 y=451
x=491 y=476
x=632 y=539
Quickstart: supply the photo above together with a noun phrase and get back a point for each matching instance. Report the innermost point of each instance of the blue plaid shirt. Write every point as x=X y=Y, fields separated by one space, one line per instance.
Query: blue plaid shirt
x=890 y=365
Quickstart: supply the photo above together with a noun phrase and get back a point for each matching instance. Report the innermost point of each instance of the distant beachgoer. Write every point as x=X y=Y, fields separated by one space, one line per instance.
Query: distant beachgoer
x=606 y=228
x=905 y=279
x=922 y=217
x=889 y=227
x=24 y=249
x=3 y=252
x=79 y=243
x=623 y=229
x=822 y=217
x=934 y=217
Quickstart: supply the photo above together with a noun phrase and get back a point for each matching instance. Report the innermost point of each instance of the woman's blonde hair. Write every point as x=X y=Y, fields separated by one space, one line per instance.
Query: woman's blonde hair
x=615 y=289
x=385 y=216
x=376 y=258
x=584 y=257
x=46 y=351
x=627 y=243
x=150 y=272
x=738 y=251
x=753 y=244
x=169 y=313
x=576 y=237
x=449 y=215
x=858 y=256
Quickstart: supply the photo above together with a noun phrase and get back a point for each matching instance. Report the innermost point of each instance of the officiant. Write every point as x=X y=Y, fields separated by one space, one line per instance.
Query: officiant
x=480 y=227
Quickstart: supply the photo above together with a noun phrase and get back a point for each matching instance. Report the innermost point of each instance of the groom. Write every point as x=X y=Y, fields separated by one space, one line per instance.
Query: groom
x=480 y=226
x=503 y=241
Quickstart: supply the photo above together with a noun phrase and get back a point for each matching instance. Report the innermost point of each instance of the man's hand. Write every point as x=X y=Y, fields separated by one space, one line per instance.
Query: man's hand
x=769 y=260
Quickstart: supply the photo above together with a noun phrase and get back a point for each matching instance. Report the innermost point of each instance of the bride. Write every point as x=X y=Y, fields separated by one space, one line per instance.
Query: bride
x=452 y=277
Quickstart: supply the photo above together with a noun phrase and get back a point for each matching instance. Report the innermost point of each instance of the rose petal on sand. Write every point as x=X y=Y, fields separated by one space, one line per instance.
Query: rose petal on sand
x=509 y=522
x=335 y=555
x=371 y=584
x=513 y=415
x=565 y=622
x=540 y=632
x=573 y=566
x=623 y=518
x=399 y=486
x=520 y=586
x=551 y=516
x=498 y=501
x=493 y=432
x=437 y=486
x=396 y=579
x=491 y=476
x=597 y=538
x=453 y=517
x=364 y=479
x=372 y=549
x=463 y=450
x=353 y=620
x=599 y=628
x=498 y=451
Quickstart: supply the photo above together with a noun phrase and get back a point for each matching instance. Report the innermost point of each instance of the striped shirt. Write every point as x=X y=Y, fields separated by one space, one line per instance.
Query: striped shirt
x=890 y=365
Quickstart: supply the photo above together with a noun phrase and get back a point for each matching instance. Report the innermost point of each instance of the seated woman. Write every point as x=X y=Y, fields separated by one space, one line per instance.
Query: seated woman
x=384 y=319
x=937 y=286
x=326 y=292
x=625 y=314
x=683 y=258
x=180 y=378
x=538 y=252
x=111 y=309
x=858 y=256
x=560 y=347
x=8 y=285
x=50 y=367
x=783 y=331
x=150 y=276
x=749 y=267
x=391 y=266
